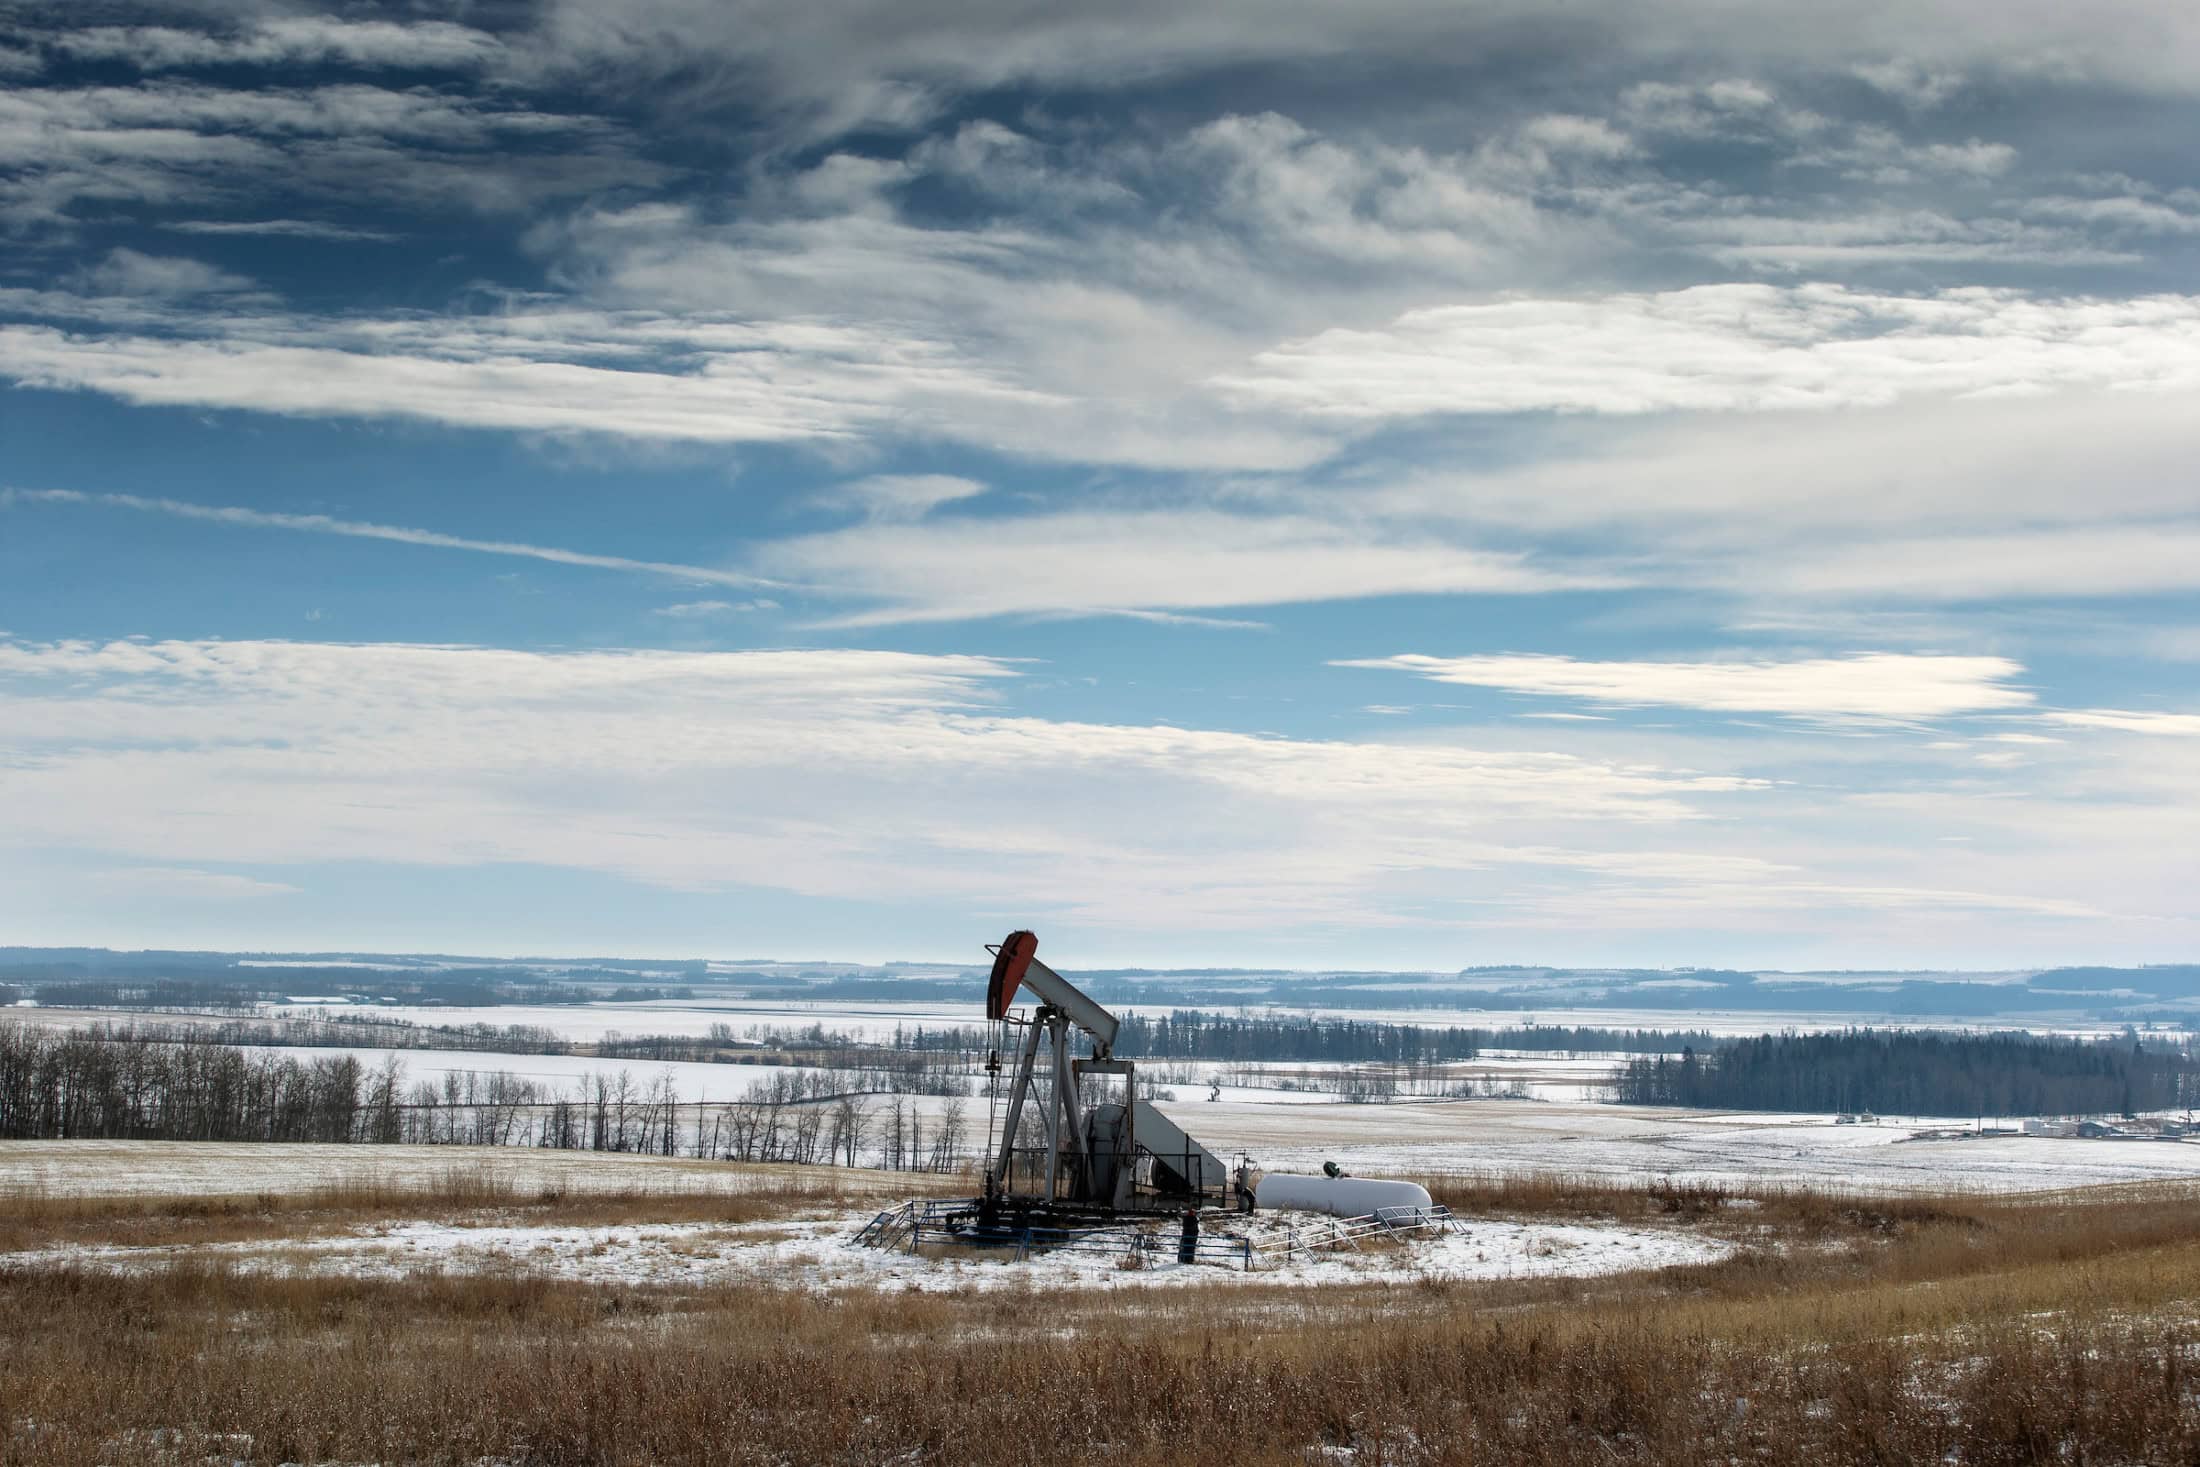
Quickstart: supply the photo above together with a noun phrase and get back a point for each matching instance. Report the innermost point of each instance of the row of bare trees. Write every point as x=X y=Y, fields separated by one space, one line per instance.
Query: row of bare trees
x=107 y=1084
x=850 y=1130
x=71 y=1084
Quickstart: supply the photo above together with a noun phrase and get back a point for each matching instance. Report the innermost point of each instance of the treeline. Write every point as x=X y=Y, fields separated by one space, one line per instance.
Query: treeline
x=905 y=1072
x=64 y=1085
x=1918 y=1073
x=879 y=1067
x=1199 y=1035
x=159 y=993
x=1196 y=1034
x=58 y=1084
x=343 y=1031
x=56 y=987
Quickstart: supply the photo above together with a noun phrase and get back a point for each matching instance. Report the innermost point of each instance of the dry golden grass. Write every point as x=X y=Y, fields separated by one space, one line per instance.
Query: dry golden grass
x=1963 y=1330
x=38 y=1220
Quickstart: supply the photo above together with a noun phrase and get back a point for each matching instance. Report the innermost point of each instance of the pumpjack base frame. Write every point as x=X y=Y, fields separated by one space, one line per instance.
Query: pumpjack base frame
x=1005 y=1219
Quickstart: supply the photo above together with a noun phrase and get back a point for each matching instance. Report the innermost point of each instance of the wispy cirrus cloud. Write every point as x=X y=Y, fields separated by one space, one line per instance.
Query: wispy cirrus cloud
x=1837 y=328
x=1868 y=685
x=778 y=382
x=321 y=524
x=170 y=143
x=189 y=883
x=786 y=770
x=902 y=496
x=285 y=40
x=2127 y=720
x=134 y=274
x=279 y=229
x=1729 y=348
x=1144 y=561
x=703 y=610
x=823 y=772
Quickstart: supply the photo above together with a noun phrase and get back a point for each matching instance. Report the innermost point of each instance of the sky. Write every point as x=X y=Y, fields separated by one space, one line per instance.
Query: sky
x=1390 y=485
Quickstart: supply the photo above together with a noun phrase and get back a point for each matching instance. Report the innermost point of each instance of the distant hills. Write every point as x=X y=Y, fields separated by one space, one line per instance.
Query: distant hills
x=2167 y=992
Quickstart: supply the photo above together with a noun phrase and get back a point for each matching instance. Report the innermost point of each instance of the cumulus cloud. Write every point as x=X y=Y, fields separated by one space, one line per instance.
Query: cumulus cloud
x=1870 y=685
x=1909 y=83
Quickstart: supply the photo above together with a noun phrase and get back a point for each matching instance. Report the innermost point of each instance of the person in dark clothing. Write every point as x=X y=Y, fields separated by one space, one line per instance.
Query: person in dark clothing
x=1187 y=1242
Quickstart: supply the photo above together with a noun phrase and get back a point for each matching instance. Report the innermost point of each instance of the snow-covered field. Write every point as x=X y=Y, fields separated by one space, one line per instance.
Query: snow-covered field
x=1482 y=1138
x=560 y=1074
x=1642 y=1144
x=689 y=1017
x=1539 y=1076
x=815 y=1254
x=1293 y=1084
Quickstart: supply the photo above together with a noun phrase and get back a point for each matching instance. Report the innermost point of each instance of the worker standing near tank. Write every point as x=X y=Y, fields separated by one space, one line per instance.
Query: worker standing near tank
x=1187 y=1241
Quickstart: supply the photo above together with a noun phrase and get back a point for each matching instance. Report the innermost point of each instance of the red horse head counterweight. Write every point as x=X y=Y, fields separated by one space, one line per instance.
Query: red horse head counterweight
x=1010 y=962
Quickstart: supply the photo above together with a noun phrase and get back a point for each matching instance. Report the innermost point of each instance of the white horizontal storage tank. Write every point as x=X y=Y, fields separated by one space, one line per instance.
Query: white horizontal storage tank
x=1337 y=1196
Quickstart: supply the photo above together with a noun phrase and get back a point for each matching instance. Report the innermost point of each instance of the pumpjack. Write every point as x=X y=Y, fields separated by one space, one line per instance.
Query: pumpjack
x=1113 y=1156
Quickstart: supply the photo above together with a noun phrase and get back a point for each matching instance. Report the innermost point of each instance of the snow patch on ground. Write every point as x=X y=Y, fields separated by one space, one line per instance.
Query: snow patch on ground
x=814 y=1254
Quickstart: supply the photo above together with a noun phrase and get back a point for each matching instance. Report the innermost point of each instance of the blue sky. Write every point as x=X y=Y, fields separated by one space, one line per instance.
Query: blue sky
x=1379 y=485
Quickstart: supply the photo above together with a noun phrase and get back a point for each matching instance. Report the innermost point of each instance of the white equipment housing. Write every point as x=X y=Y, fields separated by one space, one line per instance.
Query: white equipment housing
x=1337 y=1196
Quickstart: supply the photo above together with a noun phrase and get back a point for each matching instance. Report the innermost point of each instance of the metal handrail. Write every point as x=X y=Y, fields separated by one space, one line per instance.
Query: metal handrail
x=1346 y=1232
x=880 y=1230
